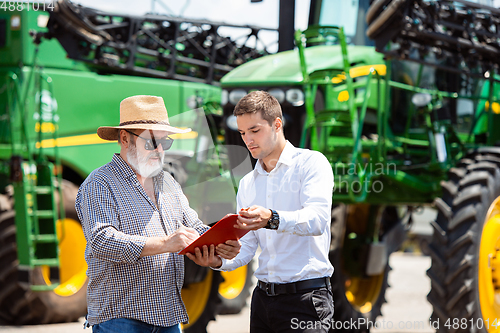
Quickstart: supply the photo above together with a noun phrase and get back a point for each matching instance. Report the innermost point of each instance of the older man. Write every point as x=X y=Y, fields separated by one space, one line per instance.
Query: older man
x=135 y=219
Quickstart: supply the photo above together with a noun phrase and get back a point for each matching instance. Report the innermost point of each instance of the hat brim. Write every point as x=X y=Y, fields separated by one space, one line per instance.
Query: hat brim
x=110 y=133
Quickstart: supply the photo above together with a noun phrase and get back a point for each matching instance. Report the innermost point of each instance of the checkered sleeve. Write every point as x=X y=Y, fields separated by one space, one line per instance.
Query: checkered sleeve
x=98 y=212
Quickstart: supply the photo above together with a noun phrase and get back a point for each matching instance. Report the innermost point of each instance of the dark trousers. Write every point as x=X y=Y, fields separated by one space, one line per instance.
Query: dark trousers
x=310 y=311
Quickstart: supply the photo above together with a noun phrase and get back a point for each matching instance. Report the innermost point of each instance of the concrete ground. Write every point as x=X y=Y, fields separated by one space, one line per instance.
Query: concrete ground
x=407 y=309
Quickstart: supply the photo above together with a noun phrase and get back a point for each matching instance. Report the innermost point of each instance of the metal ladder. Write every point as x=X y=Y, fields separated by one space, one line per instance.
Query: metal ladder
x=33 y=178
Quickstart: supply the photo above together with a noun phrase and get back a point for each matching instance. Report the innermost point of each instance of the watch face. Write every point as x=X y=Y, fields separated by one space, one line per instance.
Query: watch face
x=274 y=222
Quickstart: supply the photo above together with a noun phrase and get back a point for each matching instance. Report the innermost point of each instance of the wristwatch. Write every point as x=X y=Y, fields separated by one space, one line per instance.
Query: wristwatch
x=274 y=221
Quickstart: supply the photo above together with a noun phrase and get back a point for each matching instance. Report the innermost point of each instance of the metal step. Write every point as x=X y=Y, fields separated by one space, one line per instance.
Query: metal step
x=45 y=262
x=38 y=287
x=43 y=213
x=42 y=190
x=333 y=123
x=44 y=238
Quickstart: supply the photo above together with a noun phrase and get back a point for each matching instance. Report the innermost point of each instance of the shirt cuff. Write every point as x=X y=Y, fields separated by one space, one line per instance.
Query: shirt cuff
x=223 y=267
x=287 y=221
x=134 y=248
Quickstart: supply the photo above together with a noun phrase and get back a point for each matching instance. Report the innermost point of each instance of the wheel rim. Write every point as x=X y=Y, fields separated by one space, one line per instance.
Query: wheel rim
x=234 y=282
x=363 y=293
x=72 y=263
x=489 y=268
x=195 y=297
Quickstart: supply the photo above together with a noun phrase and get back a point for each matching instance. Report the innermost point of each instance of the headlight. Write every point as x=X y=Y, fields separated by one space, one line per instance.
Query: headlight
x=236 y=95
x=295 y=97
x=278 y=94
x=192 y=102
x=224 y=98
x=421 y=99
x=231 y=123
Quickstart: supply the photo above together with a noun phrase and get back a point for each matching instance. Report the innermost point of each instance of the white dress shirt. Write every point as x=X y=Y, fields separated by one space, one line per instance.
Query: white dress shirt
x=300 y=189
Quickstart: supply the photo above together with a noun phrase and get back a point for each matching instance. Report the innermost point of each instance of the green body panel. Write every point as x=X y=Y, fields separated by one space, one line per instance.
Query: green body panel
x=284 y=68
x=87 y=100
x=20 y=49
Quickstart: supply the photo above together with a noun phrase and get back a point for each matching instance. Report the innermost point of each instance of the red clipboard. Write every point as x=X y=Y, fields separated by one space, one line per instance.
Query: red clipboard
x=221 y=232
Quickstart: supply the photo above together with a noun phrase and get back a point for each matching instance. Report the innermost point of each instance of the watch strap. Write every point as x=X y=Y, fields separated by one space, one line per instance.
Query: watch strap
x=274 y=221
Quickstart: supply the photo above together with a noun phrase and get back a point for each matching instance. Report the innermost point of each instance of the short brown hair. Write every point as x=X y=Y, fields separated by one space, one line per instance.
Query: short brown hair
x=259 y=101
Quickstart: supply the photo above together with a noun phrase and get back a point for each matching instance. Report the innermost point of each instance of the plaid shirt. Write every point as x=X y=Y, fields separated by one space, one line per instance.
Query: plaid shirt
x=117 y=217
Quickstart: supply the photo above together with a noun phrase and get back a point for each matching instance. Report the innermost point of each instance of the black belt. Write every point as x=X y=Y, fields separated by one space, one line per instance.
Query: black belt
x=273 y=289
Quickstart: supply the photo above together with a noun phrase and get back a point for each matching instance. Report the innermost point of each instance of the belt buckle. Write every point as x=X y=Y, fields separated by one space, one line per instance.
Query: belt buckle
x=270 y=289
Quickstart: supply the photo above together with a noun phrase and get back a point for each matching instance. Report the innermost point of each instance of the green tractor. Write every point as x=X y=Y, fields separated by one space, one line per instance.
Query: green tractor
x=402 y=97
x=63 y=71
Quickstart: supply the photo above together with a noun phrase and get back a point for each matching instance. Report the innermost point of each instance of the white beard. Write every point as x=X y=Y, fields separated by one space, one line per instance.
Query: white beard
x=143 y=165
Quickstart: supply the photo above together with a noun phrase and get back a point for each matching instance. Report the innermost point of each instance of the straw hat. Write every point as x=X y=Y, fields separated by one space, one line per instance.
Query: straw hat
x=140 y=112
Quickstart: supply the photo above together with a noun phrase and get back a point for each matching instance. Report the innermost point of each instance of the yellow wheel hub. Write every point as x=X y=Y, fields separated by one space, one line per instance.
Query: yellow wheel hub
x=71 y=258
x=234 y=282
x=195 y=297
x=489 y=269
x=362 y=293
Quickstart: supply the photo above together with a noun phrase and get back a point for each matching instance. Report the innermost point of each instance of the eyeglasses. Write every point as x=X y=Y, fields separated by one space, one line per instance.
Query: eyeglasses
x=152 y=144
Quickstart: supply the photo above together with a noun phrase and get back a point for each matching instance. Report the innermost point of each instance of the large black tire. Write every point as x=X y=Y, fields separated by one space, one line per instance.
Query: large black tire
x=18 y=304
x=455 y=295
x=241 y=283
x=208 y=305
x=345 y=311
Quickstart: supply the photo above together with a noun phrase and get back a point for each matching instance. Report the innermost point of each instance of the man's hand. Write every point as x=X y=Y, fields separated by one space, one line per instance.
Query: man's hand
x=228 y=250
x=211 y=257
x=175 y=242
x=181 y=238
x=207 y=258
x=253 y=218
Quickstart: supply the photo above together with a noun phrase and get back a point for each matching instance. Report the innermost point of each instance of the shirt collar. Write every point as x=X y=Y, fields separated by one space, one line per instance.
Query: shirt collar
x=286 y=158
x=122 y=167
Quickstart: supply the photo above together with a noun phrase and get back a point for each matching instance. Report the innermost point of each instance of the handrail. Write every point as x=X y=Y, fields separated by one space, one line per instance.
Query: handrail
x=10 y=103
x=301 y=38
x=57 y=157
x=357 y=141
x=357 y=148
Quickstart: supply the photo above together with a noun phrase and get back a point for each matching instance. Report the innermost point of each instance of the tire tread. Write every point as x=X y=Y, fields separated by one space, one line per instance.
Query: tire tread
x=468 y=193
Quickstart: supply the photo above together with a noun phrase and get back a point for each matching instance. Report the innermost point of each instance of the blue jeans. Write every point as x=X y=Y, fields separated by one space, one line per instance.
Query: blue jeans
x=125 y=325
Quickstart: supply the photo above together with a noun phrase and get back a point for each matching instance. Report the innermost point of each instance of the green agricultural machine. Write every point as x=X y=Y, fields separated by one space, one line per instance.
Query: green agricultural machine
x=63 y=71
x=402 y=97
